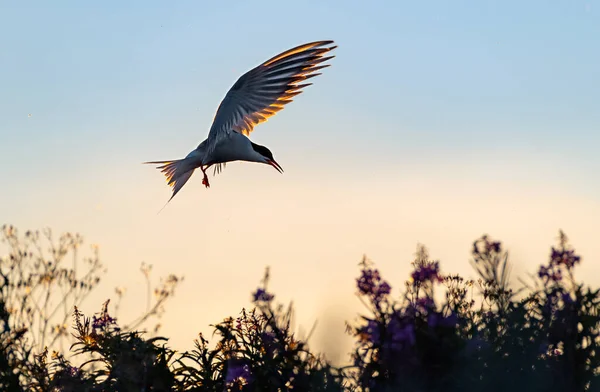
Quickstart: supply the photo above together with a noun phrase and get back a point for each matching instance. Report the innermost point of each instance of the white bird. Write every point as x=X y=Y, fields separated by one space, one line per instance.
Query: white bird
x=255 y=96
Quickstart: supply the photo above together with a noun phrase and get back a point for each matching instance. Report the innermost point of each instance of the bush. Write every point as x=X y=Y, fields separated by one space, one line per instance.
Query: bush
x=441 y=333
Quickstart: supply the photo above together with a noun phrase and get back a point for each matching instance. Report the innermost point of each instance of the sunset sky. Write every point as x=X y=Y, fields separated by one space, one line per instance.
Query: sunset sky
x=437 y=122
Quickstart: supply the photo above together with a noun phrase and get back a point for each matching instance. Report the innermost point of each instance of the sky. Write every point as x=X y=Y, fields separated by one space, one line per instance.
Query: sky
x=436 y=123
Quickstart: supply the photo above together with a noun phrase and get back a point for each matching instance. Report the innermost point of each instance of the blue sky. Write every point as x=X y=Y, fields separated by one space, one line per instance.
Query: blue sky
x=456 y=76
x=440 y=100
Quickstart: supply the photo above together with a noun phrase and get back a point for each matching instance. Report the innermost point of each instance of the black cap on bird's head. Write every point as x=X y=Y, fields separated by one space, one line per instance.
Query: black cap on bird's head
x=265 y=152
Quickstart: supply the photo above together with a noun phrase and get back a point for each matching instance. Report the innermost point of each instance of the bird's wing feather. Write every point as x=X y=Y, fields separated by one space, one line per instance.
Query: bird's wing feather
x=267 y=88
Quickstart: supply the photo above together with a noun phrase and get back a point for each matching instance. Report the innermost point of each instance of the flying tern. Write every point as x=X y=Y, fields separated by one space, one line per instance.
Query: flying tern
x=257 y=95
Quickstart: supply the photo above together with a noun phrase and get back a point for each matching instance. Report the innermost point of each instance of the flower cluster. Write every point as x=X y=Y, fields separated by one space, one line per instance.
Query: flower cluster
x=485 y=246
x=370 y=284
x=104 y=321
x=427 y=272
x=550 y=273
x=561 y=259
x=566 y=257
x=261 y=295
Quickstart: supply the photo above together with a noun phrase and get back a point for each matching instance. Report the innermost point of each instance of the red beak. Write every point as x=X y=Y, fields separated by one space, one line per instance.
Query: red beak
x=275 y=165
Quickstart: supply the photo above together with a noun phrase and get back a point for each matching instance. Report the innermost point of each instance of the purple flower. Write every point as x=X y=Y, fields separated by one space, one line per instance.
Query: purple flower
x=370 y=283
x=558 y=258
x=550 y=273
x=568 y=258
x=237 y=370
x=429 y=272
x=103 y=321
x=494 y=246
x=484 y=247
x=384 y=289
x=260 y=295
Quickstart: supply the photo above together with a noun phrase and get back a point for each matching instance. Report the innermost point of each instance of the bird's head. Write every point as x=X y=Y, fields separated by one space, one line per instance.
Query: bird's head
x=267 y=156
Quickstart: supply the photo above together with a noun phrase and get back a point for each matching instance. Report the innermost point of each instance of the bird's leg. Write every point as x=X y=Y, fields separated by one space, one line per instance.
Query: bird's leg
x=205 y=179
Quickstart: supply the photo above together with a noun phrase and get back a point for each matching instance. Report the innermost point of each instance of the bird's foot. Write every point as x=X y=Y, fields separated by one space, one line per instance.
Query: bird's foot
x=205 y=181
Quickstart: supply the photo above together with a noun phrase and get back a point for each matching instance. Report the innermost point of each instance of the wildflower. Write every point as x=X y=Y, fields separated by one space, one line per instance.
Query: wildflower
x=260 y=295
x=550 y=273
x=564 y=257
x=559 y=259
x=429 y=272
x=103 y=321
x=384 y=289
x=494 y=246
x=484 y=246
x=370 y=283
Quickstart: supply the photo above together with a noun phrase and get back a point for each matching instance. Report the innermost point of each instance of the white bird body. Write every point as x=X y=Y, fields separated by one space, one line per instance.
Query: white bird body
x=257 y=95
x=231 y=147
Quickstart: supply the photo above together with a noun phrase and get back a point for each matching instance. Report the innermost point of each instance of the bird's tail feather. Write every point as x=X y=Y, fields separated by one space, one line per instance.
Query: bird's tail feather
x=177 y=172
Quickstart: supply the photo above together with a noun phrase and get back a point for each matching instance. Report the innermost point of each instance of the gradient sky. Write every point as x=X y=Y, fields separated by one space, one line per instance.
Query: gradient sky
x=437 y=122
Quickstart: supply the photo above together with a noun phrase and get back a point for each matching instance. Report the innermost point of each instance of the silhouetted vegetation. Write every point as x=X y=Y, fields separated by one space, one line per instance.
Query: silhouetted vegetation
x=442 y=332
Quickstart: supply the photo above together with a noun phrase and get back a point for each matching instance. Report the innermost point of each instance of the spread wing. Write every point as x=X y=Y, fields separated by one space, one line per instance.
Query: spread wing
x=267 y=88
